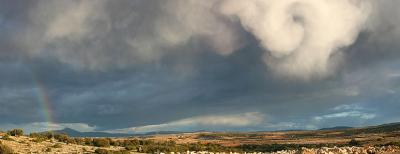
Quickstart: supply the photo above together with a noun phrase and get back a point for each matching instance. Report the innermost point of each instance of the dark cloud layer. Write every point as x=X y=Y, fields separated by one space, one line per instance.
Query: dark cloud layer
x=124 y=65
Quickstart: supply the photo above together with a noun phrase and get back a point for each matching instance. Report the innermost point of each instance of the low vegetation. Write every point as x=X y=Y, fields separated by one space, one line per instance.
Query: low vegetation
x=151 y=146
x=105 y=151
x=16 y=132
x=101 y=142
x=5 y=149
x=206 y=143
x=354 y=142
x=7 y=137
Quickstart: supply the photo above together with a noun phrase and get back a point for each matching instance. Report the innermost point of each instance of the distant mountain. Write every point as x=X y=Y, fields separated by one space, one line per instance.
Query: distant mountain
x=384 y=128
x=336 y=128
x=163 y=132
x=75 y=133
x=390 y=127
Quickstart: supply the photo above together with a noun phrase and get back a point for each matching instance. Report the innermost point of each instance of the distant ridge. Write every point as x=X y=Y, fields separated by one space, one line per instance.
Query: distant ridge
x=75 y=133
x=389 y=127
x=163 y=132
x=336 y=128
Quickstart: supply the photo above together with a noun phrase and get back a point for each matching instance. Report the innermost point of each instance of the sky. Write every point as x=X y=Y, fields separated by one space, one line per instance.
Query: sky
x=136 y=66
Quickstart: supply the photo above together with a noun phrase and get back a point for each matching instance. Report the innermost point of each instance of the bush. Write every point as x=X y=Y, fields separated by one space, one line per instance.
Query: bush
x=48 y=150
x=354 y=142
x=62 y=138
x=393 y=143
x=7 y=137
x=102 y=151
x=58 y=145
x=88 y=141
x=5 y=149
x=130 y=147
x=16 y=132
x=80 y=141
x=39 y=137
x=101 y=142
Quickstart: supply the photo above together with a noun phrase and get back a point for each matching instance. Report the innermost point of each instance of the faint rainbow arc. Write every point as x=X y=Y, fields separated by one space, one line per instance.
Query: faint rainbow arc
x=44 y=101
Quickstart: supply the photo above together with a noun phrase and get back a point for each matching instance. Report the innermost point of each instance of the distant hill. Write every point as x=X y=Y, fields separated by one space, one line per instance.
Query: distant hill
x=75 y=133
x=384 y=128
x=163 y=132
x=391 y=127
x=336 y=128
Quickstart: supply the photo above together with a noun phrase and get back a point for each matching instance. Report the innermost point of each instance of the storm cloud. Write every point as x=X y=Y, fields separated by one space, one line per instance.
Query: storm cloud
x=115 y=65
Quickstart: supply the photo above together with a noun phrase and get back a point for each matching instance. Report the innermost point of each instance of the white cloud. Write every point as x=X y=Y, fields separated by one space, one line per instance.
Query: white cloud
x=347 y=111
x=348 y=107
x=201 y=122
x=347 y=114
x=303 y=37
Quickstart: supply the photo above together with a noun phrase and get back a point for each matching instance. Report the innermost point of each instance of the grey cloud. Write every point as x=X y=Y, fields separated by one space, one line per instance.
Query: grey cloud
x=124 y=64
x=104 y=34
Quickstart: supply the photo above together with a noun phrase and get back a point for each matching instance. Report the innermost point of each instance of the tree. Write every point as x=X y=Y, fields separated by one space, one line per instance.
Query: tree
x=101 y=142
x=16 y=132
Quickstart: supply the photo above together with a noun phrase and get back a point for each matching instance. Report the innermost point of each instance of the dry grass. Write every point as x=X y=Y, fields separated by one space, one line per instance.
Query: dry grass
x=23 y=144
x=288 y=137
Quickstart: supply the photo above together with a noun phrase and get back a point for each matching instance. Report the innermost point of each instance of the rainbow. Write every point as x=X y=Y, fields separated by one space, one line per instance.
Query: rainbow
x=44 y=102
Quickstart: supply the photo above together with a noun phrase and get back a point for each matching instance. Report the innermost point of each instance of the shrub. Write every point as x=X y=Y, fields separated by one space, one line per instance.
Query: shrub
x=58 y=145
x=121 y=152
x=354 y=142
x=5 y=149
x=38 y=137
x=88 y=141
x=392 y=143
x=80 y=141
x=101 y=142
x=62 y=138
x=114 y=143
x=16 y=132
x=48 y=150
x=102 y=151
x=130 y=147
x=7 y=137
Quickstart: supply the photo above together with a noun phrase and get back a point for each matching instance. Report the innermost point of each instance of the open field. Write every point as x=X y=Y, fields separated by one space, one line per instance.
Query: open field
x=377 y=139
x=291 y=137
x=367 y=136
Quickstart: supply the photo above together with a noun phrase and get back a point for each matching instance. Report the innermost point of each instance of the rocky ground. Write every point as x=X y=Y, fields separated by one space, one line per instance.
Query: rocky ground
x=345 y=150
x=23 y=145
x=335 y=150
